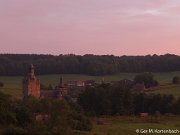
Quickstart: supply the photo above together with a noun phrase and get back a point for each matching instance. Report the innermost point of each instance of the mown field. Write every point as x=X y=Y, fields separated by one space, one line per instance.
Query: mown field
x=13 y=85
x=129 y=125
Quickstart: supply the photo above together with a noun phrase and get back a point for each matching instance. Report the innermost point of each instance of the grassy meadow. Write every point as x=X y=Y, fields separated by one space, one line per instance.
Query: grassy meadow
x=13 y=84
x=129 y=125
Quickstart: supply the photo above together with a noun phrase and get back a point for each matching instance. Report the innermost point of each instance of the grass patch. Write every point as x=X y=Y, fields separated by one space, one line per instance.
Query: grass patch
x=13 y=85
x=174 y=91
x=122 y=126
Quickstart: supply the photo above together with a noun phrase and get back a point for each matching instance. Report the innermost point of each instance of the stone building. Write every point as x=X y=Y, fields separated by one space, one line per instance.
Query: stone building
x=31 y=87
x=78 y=83
x=58 y=93
x=123 y=82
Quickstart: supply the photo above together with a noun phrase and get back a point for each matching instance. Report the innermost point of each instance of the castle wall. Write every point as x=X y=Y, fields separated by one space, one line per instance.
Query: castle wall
x=34 y=88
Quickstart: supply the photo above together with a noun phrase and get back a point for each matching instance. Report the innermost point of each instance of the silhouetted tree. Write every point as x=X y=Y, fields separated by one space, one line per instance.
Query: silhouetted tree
x=146 y=79
x=175 y=80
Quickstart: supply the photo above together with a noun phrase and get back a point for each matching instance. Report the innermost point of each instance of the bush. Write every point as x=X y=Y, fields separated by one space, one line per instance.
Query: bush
x=147 y=79
x=80 y=122
x=175 y=80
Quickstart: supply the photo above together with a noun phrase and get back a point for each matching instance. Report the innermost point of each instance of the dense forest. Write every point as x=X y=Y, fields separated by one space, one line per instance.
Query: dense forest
x=17 y=64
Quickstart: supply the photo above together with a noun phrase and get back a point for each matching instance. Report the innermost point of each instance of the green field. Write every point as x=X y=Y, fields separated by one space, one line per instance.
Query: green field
x=13 y=85
x=129 y=125
x=168 y=91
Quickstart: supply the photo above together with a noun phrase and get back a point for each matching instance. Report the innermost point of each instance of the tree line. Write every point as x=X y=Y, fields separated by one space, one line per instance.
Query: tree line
x=121 y=100
x=17 y=64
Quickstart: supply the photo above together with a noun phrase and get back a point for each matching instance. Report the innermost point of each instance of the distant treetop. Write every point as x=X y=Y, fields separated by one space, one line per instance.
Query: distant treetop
x=16 y=64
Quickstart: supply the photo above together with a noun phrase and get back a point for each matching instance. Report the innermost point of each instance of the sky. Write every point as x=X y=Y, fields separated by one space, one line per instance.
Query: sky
x=118 y=27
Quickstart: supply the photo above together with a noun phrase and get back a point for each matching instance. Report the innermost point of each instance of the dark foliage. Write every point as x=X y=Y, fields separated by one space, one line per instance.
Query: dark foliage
x=1 y=84
x=33 y=116
x=146 y=79
x=107 y=101
x=152 y=103
x=16 y=64
x=175 y=80
x=122 y=101
x=176 y=107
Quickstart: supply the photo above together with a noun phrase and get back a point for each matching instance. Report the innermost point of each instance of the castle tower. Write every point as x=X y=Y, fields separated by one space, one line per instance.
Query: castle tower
x=31 y=85
x=60 y=90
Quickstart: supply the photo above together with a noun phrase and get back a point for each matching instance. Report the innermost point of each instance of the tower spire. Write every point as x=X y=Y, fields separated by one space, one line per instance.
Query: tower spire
x=32 y=75
x=31 y=85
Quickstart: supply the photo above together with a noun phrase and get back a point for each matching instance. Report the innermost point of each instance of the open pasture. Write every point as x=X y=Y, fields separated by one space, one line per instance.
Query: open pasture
x=13 y=84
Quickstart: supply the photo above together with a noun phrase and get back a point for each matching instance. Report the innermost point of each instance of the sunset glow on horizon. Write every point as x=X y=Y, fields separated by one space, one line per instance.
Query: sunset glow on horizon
x=117 y=27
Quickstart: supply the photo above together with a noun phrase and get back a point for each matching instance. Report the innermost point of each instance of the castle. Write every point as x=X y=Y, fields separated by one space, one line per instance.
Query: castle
x=31 y=87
